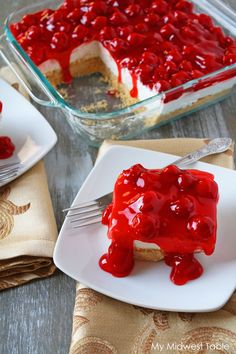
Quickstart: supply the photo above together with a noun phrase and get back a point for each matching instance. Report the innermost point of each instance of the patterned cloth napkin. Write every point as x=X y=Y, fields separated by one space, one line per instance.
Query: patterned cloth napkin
x=28 y=229
x=107 y=326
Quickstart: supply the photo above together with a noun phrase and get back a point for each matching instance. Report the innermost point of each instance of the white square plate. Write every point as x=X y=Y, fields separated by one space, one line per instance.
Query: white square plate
x=29 y=131
x=78 y=250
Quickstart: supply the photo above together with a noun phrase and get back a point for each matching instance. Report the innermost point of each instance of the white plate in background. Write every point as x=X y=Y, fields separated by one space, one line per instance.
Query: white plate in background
x=29 y=131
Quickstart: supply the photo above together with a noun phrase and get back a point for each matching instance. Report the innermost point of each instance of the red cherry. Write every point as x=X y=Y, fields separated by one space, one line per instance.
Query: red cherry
x=107 y=33
x=186 y=65
x=74 y=15
x=116 y=45
x=133 y=173
x=133 y=10
x=160 y=73
x=207 y=189
x=125 y=31
x=160 y=6
x=171 y=67
x=136 y=39
x=180 y=78
x=88 y=18
x=80 y=32
x=174 y=55
x=37 y=53
x=18 y=28
x=151 y=19
x=201 y=227
x=141 y=28
x=1 y=105
x=180 y=17
x=196 y=74
x=146 y=72
x=45 y=15
x=118 y=18
x=99 y=22
x=185 y=181
x=59 y=41
x=229 y=59
x=129 y=63
x=168 y=19
x=58 y=15
x=170 y=170
x=145 y=226
x=33 y=33
x=188 y=32
x=167 y=30
x=149 y=58
x=205 y=20
x=162 y=86
x=219 y=34
x=100 y=7
x=29 y=20
x=63 y=27
x=182 y=207
x=148 y=202
x=184 y=6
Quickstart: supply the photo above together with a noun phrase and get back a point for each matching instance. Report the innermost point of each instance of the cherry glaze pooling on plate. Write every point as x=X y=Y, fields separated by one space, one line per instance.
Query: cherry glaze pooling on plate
x=163 y=43
x=173 y=208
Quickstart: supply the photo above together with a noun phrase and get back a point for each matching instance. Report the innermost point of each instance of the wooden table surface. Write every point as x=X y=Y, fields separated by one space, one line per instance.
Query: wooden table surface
x=36 y=318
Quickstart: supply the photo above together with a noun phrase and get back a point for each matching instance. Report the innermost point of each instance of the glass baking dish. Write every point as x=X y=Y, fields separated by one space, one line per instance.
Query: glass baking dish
x=109 y=120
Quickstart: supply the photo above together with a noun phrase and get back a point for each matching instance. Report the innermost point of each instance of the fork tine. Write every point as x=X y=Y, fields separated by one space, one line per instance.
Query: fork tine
x=95 y=221
x=7 y=177
x=89 y=210
x=7 y=171
x=81 y=206
x=8 y=165
x=87 y=217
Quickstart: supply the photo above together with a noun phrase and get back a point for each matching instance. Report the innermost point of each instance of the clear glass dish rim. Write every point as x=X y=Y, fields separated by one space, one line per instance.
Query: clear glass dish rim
x=100 y=115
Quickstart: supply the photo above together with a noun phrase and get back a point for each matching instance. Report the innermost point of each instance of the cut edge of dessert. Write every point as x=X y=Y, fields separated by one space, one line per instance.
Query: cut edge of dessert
x=140 y=50
x=163 y=214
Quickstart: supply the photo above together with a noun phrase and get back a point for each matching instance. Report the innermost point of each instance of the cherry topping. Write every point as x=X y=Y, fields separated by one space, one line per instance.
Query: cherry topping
x=136 y=39
x=99 y=22
x=59 y=41
x=160 y=6
x=74 y=15
x=28 y=20
x=7 y=147
x=141 y=28
x=200 y=227
x=107 y=33
x=80 y=32
x=149 y=58
x=184 y=6
x=182 y=207
x=100 y=7
x=118 y=18
x=207 y=189
x=33 y=33
x=133 y=10
x=152 y=19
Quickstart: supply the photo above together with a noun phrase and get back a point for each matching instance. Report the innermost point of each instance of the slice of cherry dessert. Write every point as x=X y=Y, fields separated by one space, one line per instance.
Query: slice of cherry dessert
x=159 y=214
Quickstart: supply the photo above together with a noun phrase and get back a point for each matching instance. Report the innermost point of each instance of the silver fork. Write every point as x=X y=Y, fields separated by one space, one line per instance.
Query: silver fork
x=8 y=171
x=89 y=213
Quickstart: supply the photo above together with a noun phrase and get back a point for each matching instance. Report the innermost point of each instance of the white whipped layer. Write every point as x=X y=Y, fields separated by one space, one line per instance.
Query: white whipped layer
x=95 y=49
x=145 y=245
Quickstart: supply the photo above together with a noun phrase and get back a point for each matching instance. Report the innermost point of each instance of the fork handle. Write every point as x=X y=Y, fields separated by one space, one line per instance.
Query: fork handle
x=214 y=146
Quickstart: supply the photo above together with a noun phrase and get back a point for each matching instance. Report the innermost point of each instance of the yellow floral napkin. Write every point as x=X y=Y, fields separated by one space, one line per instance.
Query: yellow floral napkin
x=107 y=326
x=28 y=229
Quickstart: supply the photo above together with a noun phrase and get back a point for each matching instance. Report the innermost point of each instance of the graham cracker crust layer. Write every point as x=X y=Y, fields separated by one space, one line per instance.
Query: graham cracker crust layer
x=151 y=255
x=95 y=65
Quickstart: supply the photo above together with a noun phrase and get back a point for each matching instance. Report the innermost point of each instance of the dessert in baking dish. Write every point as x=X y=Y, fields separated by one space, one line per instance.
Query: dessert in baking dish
x=143 y=47
x=160 y=214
